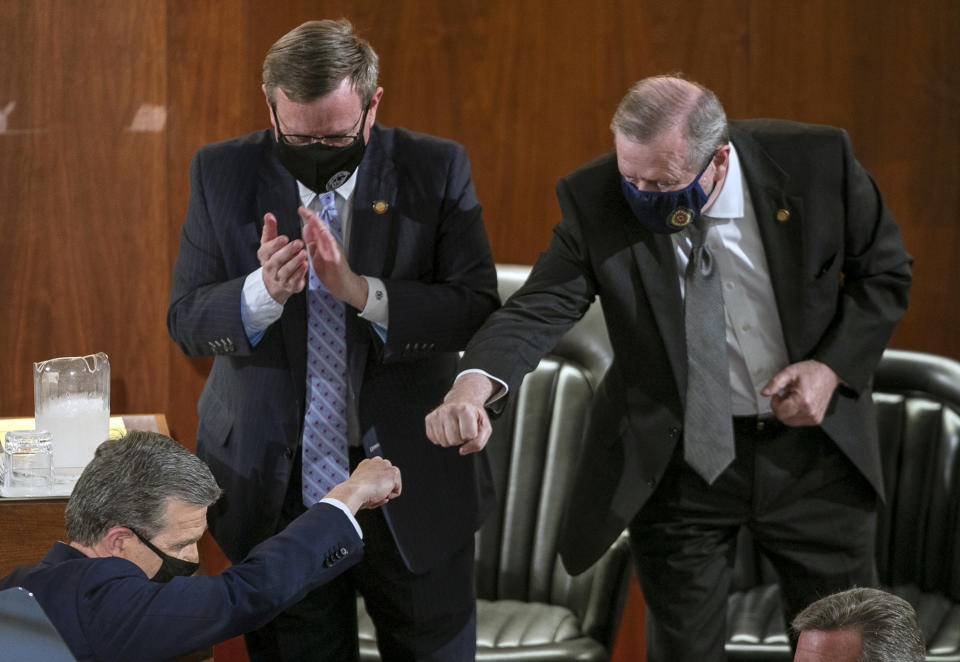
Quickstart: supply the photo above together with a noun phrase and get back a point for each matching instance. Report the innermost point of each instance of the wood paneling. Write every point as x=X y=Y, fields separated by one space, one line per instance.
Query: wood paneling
x=93 y=197
x=84 y=194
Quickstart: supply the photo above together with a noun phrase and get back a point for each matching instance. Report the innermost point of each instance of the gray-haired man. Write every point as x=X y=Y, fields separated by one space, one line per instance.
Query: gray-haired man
x=859 y=625
x=798 y=273
x=123 y=589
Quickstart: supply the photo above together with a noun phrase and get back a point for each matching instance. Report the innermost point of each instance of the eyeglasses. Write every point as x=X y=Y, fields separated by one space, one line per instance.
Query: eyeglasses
x=298 y=140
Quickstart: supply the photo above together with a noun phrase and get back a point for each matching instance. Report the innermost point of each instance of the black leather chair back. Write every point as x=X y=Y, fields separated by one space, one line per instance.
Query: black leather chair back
x=529 y=607
x=917 y=398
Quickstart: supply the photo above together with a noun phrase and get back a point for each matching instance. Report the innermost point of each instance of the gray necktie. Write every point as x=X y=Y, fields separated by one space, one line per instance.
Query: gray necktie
x=707 y=426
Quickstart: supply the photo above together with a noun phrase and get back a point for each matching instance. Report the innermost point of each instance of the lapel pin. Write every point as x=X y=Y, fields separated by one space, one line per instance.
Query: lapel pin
x=380 y=207
x=783 y=215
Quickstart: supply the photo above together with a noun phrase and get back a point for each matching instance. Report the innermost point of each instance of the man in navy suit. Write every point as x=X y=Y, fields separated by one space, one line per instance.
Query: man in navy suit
x=811 y=277
x=403 y=253
x=122 y=590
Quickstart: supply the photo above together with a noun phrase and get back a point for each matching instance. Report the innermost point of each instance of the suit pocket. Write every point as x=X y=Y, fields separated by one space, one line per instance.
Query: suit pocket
x=826 y=266
x=216 y=420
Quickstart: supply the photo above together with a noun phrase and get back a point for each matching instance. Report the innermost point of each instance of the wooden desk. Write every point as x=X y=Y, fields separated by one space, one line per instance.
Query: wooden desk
x=29 y=525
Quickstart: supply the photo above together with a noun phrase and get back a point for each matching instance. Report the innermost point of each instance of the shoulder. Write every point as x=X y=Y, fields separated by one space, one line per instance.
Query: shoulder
x=775 y=135
x=601 y=169
x=406 y=146
x=243 y=148
x=593 y=185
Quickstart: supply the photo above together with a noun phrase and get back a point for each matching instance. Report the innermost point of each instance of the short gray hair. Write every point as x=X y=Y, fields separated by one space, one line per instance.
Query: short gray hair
x=129 y=482
x=659 y=103
x=888 y=624
x=311 y=60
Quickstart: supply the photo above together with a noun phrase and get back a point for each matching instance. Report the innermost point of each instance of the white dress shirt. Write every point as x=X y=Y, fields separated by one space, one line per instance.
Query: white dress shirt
x=756 y=348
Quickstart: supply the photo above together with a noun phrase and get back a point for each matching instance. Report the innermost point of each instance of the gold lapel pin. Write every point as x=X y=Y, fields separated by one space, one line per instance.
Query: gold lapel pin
x=380 y=207
x=783 y=215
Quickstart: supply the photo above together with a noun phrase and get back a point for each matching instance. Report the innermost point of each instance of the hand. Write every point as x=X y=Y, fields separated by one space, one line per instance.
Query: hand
x=329 y=262
x=799 y=394
x=462 y=419
x=284 y=262
x=374 y=482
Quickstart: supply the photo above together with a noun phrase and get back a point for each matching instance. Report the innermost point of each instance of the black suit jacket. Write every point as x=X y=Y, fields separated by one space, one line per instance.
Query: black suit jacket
x=430 y=248
x=106 y=608
x=840 y=274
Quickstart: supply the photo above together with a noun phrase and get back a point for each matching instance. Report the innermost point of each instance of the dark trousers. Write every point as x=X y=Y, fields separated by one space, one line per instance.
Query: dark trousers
x=811 y=512
x=429 y=617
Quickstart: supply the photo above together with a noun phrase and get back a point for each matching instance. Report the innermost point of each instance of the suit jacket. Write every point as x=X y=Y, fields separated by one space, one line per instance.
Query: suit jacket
x=840 y=274
x=431 y=250
x=107 y=609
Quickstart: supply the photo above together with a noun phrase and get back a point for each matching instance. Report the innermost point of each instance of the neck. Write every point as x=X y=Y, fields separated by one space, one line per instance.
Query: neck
x=94 y=552
x=715 y=193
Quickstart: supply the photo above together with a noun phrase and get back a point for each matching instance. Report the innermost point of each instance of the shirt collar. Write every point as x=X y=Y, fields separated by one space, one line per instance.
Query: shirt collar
x=729 y=204
x=344 y=191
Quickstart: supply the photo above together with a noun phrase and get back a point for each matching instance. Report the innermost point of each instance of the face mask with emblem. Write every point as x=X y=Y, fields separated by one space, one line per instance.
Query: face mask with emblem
x=319 y=166
x=666 y=212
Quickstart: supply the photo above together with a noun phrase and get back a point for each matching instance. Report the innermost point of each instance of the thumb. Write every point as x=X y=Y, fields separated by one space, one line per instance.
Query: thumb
x=778 y=382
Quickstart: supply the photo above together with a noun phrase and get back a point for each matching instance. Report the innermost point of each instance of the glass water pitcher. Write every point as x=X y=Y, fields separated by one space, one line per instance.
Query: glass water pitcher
x=72 y=402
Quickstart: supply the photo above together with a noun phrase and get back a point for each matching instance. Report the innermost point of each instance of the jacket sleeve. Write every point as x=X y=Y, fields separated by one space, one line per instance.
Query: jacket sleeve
x=203 y=316
x=440 y=313
x=876 y=280
x=128 y=617
x=556 y=295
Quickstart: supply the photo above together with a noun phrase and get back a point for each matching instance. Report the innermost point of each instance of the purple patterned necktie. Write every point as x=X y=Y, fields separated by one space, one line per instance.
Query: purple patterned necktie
x=325 y=461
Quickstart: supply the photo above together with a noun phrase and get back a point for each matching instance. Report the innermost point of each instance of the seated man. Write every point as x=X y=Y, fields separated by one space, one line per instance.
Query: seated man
x=122 y=590
x=859 y=625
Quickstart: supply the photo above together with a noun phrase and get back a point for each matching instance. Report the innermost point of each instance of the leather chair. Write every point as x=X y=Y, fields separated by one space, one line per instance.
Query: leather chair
x=918 y=534
x=528 y=607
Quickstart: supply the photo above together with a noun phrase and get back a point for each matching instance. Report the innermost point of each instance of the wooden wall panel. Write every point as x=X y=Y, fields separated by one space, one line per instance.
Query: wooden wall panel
x=83 y=191
x=94 y=197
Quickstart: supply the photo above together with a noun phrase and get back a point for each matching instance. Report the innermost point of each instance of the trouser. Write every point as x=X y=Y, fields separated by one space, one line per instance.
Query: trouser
x=428 y=617
x=810 y=511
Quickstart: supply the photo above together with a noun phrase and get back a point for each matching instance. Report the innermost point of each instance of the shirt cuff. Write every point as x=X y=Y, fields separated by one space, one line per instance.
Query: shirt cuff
x=496 y=395
x=346 y=511
x=258 y=309
x=376 y=309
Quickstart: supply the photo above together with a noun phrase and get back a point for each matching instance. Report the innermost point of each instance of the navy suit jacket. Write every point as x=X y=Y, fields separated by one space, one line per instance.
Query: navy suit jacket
x=107 y=609
x=840 y=274
x=431 y=250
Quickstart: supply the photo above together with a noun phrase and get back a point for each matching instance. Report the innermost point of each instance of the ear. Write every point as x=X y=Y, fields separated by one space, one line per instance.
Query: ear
x=266 y=98
x=118 y=541
x=721 y=160
x=374 y=104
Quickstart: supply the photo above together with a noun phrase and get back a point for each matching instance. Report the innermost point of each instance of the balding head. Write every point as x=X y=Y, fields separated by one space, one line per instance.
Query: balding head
x=655 y=105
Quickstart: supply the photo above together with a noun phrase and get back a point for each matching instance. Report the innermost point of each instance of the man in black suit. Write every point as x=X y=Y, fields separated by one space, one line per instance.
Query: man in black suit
x=813 y=276
x=122 y=590
x=344 y=336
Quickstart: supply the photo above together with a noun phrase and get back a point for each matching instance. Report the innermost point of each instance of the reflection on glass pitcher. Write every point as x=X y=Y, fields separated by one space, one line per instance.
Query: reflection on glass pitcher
x=72 y=402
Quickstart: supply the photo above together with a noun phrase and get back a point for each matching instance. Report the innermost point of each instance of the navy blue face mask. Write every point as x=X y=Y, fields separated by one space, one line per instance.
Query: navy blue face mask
x=666 y=212
x=171 y=566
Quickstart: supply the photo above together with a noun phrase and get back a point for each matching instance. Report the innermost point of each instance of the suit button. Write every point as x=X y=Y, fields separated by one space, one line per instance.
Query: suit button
x=674 y=433
x=652 y=483
x=288 y=453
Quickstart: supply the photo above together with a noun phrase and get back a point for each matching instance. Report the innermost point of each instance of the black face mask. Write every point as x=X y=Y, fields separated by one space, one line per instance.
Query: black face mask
x=320 y=167
x=171 y=566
